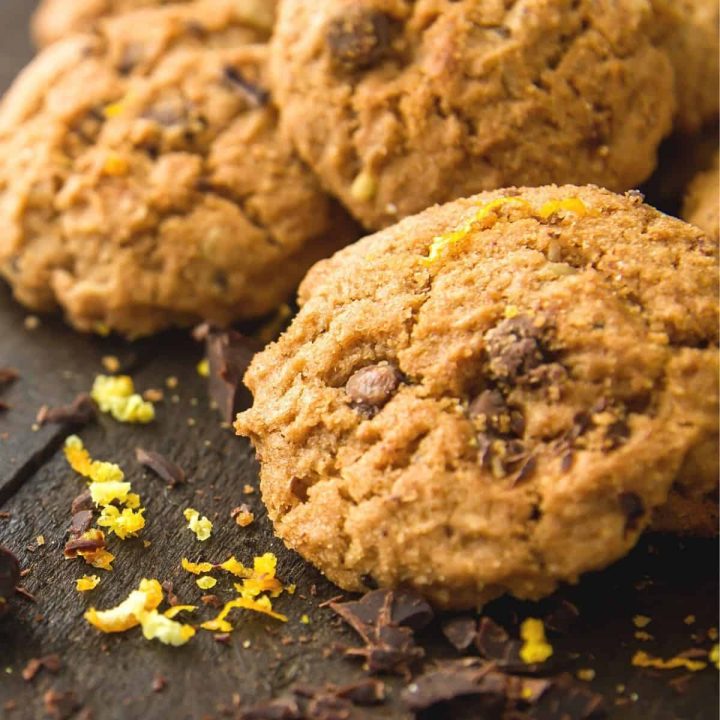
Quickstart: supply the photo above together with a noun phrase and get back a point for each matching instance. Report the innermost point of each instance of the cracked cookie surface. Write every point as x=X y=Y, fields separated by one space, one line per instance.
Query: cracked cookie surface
x=56 y=19
x=492 y=396
x=398 y=105
x=144 y=182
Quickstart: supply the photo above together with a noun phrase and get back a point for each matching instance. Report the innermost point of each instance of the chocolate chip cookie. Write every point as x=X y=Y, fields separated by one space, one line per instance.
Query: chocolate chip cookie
x=492 y=396
x=398 y=104
x=688 y=30
x=144 y=182
x=56 y=19
x=702 y=199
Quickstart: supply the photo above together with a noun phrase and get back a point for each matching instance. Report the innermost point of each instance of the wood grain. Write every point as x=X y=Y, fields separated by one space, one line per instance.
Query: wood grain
x=664 y=578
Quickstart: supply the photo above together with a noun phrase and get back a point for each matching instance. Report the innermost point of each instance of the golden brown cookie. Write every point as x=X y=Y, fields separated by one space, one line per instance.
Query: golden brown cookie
x=144 y=182
x=689 y=34
x=398 y=104
x=702 y=201
x=56 y=19
x=492 y=396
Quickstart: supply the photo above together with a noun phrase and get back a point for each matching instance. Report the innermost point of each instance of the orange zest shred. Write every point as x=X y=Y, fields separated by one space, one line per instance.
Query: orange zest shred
x=140 y=608
x=196 y=568
x=129 y=612
x=127 y=523
x=115 y=394
x=206 y=582
x=235 y=567
x=642 y=659
x=87 y=582
x=201 y=526
x=261 y=605
x=96 y=471
x=98 y=558
x=714 y=655
x=536 y=648
x=486 y=216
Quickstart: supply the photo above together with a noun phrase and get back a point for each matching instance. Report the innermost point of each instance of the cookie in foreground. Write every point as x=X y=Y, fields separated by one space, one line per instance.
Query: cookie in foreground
x=145 y=183
x=492 y=396
x=398 y=105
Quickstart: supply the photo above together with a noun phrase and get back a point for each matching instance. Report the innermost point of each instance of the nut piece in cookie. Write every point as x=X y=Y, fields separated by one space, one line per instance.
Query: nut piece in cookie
x=494 y=396
x=145 y=182
x=397 y=105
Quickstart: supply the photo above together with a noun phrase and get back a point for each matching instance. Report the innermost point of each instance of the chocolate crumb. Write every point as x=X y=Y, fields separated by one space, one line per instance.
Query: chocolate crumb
x=493 y=643
x=60 y=705
x=51 y=663
x=165 y=469
x=460 y=632
x=222 y=638
x=80 y=412
x=159 y=683
x=212 y=601
x=169 y=589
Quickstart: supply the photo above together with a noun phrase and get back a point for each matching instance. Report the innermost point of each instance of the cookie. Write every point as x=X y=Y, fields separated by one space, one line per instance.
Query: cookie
x=688 y=30
x=702 y=199
x=56 y=19
x=144 y=182
x=398 y=105
x=492 y=396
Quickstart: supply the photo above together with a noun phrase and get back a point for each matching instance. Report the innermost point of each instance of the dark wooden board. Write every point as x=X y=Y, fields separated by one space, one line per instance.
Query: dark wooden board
x=664 y=578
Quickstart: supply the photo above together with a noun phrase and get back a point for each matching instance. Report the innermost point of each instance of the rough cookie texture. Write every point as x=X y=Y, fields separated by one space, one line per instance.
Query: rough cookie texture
x=554 y=368
x=144 y=182
x=56 y=19
x=702 y=200
x=398 y=104
x=689 y=34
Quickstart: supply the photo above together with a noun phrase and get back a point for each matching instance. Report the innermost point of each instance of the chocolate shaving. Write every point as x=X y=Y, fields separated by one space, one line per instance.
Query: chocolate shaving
x=80 y=412
x=81 y=523
x=568 y=700
x=165 y=469
x=82 y=502
x=471 y=677
x=257 y=96
x=51 y=663
x=493 y=643
x=159 y=683
x=229 y=354
x=83 y=544
x=9 y=577
x=61 y=705
x=460 y=632
x=385 y=620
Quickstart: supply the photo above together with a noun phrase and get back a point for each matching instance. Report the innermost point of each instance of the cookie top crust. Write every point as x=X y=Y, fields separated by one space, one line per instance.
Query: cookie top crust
x=56 y=19
x=398 y=105
x=145 y=182
x=491 y=396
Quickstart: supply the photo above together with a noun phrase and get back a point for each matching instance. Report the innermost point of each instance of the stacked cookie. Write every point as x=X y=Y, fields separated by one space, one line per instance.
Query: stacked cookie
x=493 y=395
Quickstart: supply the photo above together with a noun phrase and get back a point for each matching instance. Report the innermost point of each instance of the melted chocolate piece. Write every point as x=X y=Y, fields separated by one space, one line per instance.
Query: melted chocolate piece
x=374 y=385
x=359 y=39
